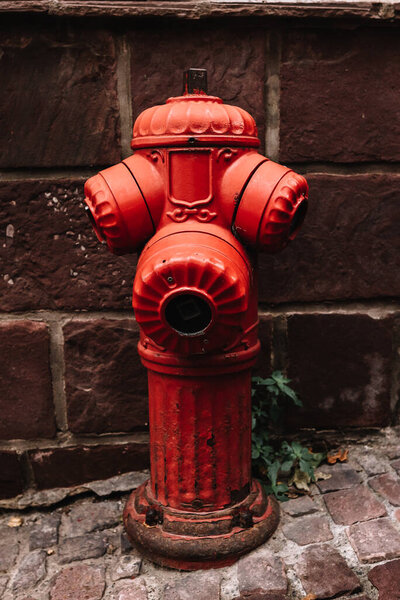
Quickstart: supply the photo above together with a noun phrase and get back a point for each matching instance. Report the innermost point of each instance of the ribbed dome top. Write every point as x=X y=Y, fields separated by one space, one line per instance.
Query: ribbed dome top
x=204 y=118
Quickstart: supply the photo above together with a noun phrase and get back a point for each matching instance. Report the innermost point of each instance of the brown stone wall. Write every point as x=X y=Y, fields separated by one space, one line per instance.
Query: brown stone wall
x=325 y=96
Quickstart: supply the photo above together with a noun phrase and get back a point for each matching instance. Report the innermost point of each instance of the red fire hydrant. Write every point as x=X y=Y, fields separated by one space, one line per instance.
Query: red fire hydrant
x=197 y=201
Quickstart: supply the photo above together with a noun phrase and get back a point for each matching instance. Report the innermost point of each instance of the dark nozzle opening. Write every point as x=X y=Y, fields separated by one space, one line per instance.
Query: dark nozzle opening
x=298 y=219
x=195 y=81
x=188 y=314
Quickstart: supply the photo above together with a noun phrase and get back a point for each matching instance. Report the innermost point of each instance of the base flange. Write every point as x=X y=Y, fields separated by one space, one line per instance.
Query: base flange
x=199 y=540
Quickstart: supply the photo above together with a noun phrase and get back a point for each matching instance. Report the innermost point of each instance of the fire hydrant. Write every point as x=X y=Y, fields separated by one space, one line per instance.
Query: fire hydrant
x=197 y=202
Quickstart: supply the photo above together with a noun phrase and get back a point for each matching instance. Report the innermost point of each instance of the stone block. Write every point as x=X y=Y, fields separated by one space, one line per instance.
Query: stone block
x=348 y=247
x=386 y=578
x=388 y=487
x=79 y=581
x=340 y=365
x=308 y=530
x=87 y=517
x=237 y=76
x=355 y=504
x=82 y=547
x=31 y=570
x=126 y=567
x=106 y=384
x=371 y=461
x=342 y=477
x=299 y=507
x=64 y=467
x=25 y=381
x=324 y=573
x=11 y=475
x=197 y=586
x=9 y=548
x=262 y=575
x=375 y=540
x=50 y=257
x=44 y=533
x=129 y=590
x=68 y=113
x=331 y=108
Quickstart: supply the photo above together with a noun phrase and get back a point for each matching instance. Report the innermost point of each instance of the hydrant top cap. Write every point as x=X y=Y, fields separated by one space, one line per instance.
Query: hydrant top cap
x=194 y=119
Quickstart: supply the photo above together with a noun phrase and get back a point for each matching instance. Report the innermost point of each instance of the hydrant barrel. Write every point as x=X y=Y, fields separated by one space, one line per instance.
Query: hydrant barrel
x=200 y=439
x=197 y=202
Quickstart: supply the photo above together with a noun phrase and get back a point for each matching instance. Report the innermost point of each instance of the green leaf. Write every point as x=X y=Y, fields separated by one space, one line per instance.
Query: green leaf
x=273 y=471
x=297 y=449
x=286 y=466
x=280 y=491
x=307 y=468
x=270 y=399
x=278 y=376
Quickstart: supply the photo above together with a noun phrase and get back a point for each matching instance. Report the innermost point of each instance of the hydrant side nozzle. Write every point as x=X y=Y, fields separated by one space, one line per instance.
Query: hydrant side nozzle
x=233 y=183
x=148 y=175
x=272 y=208
x=120 y=213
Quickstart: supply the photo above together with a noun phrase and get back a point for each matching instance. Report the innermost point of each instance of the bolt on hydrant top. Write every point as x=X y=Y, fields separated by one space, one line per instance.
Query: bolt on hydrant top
x=194 y=118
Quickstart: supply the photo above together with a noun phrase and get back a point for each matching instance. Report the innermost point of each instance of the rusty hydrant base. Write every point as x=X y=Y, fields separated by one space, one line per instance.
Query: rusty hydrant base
x=195 y=540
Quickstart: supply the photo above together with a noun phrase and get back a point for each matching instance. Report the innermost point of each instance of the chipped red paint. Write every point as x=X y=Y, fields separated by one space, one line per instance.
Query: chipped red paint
x=192 y=199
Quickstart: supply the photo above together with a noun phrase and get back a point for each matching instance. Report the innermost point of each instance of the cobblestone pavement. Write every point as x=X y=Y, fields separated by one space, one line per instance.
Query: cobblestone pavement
x=342 y=541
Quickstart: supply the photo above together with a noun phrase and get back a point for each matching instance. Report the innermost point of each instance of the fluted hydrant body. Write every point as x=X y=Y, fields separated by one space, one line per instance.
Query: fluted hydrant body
x=197 y=201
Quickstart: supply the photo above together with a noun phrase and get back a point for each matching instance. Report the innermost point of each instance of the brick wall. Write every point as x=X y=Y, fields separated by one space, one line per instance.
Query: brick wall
x=325 y=96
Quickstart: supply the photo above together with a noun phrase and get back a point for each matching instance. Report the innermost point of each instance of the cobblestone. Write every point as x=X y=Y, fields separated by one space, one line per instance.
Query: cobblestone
x=261 y=574
x=81 y=582
x=299 y=507
x=372 y=463
x=127 y=566
x=375 y=540
x=8 y=554
x=356 y=504
x=325 y=573
x=81 y=547
x=308 y=530
x=393 y=451
x=396 y=465
x=93 y=516
x=130 y=590
x=202 y=586
x=342 y=477
x=386 y=578
x=30 y=571
x=388 y=487
x=45 y=532
x=309 y=554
